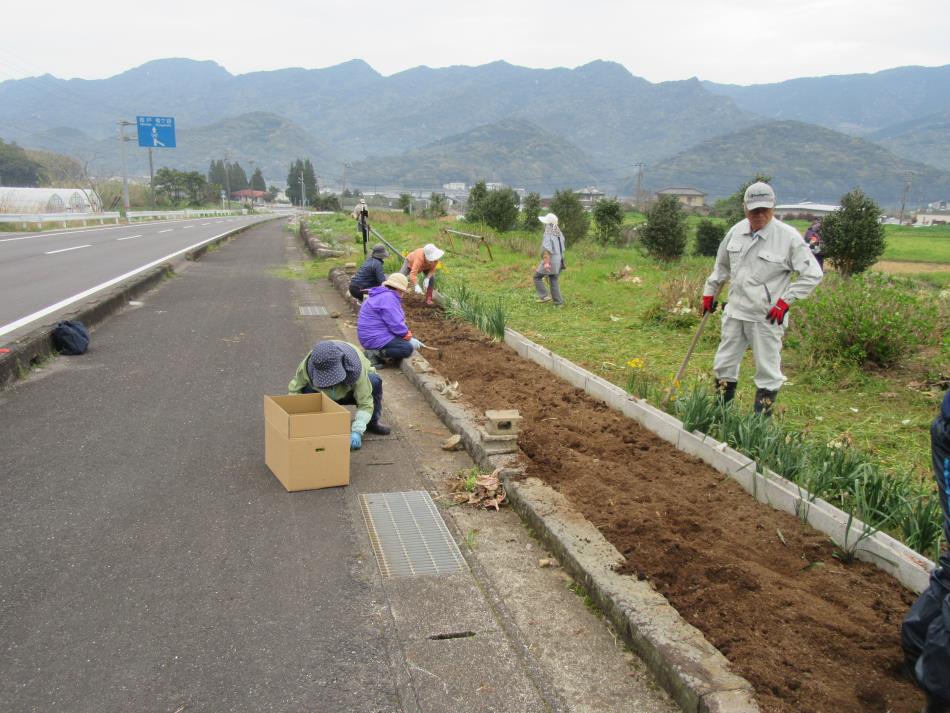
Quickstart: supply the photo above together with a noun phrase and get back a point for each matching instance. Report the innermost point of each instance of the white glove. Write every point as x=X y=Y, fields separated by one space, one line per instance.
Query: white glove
x=416 y=344
x=418 y=289
x=425 y=284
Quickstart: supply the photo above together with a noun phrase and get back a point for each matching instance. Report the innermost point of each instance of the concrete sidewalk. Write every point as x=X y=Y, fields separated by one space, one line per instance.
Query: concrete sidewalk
x=149 y=561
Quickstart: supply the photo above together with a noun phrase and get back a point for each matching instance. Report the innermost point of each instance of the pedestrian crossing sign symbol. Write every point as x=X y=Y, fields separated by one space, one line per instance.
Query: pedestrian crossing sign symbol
x=156 y=132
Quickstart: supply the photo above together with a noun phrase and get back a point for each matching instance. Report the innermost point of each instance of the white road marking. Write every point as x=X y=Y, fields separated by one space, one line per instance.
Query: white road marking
x=92 y=290
x=188 y=226
x=66 y=250
x=206 y=223
x=166 y=231
x=131 y=237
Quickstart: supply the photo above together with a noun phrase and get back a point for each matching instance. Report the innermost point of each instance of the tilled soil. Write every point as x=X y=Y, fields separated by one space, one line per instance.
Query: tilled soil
x=810 y=633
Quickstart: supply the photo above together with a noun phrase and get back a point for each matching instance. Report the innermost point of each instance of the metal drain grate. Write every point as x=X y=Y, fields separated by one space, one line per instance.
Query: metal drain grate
x=409 y=536
x=312 y=310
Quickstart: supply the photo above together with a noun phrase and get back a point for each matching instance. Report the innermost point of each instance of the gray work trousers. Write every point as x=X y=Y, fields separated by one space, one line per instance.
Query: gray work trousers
x=542 y=291
x=766 y=342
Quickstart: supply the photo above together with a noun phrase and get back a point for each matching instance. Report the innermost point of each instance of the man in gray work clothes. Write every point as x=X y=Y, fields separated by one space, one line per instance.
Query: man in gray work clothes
x=758 y=256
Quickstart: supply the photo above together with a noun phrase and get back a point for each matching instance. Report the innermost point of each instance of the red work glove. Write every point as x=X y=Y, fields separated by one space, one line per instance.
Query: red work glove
x=709 y=304
x=777 y=313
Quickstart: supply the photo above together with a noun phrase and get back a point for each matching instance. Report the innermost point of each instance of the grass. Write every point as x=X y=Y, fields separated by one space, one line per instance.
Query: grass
x=906 y=244
x=603 y=326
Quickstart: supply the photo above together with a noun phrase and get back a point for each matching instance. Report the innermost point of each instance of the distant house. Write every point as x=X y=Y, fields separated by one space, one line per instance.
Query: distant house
x=804 y=209
x=456 y=186
x=933 y=216
x=49 y=200
x=495 y=186
x=690 y=197
x=589 y=196
x=249 y=195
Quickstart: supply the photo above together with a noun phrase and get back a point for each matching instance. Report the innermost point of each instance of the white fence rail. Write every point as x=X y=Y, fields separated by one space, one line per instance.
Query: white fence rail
x=182 y=214
x=27 y=219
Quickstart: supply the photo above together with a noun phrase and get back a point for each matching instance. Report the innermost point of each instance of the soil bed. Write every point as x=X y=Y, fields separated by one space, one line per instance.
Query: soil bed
x=809 y=633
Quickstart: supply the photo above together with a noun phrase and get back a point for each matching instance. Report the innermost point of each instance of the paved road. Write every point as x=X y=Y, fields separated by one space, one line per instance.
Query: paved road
x=43 y=273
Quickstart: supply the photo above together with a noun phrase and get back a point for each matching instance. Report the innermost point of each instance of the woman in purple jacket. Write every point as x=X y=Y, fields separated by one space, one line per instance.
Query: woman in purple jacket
x=381 y=327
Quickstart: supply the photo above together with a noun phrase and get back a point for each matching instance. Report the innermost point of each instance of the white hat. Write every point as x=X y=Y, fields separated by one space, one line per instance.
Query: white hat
x=363 y=200
x=759 y=195
x=549 y=219
x=432 y=253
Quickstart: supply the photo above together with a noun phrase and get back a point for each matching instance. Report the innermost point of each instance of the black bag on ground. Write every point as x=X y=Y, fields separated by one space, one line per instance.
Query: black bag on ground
x=71 y=337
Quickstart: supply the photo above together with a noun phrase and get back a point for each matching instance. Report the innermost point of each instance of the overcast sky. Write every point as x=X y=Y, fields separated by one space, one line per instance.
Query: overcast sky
x=733 y=41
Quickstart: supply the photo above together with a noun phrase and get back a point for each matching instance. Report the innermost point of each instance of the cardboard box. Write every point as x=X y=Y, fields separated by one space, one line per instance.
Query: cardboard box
x=307 y=441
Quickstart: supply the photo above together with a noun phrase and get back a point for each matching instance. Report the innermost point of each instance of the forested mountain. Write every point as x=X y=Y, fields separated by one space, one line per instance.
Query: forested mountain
x=593 y=122
x=806 y=162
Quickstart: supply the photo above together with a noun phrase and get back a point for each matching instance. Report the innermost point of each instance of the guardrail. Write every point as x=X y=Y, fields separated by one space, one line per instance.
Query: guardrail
x=27 y=219
x=187 y=213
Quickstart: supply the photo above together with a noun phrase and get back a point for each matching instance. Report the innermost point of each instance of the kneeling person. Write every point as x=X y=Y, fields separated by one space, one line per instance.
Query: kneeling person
x=370 y=274
x=338 y=370
x=381 y=327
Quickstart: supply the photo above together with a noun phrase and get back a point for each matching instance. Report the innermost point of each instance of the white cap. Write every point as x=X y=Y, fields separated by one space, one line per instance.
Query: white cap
x=432 y=253
x=549 y=219
x=759 y=195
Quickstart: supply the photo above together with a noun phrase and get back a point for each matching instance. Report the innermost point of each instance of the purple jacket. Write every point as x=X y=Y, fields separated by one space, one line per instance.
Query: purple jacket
x=381 y=319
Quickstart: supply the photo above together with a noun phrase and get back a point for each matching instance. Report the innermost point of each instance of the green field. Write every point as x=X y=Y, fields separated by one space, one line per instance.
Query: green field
x=603 y=326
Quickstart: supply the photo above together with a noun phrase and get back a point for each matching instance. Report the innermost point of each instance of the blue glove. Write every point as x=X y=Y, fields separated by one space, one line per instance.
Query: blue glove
x=356 y=441
x=416 y=344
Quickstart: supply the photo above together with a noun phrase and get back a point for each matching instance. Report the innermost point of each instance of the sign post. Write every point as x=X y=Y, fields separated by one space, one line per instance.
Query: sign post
x=155 y=132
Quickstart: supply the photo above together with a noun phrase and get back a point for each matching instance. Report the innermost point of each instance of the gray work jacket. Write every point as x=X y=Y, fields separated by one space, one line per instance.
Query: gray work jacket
x=759 y=268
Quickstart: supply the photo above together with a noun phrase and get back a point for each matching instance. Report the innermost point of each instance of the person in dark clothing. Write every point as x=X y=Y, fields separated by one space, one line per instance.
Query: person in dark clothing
x=925 y=633
x=814 y=242
x=361 y=213
x=370 y=274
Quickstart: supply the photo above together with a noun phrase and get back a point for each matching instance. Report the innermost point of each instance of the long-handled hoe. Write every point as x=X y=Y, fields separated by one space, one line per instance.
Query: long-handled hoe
x=689 y=352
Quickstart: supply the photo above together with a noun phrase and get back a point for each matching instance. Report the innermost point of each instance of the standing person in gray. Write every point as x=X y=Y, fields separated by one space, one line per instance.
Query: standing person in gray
x=757 y=257
x=552 y=261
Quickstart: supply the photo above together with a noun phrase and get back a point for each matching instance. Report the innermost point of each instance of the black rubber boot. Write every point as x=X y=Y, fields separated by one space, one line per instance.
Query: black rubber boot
x=764 y=400
x=726 y=390
x=378 y=428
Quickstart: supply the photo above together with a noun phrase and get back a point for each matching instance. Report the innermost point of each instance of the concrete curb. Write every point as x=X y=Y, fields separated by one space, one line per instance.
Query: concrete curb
x=37 y=345
x=693 y=671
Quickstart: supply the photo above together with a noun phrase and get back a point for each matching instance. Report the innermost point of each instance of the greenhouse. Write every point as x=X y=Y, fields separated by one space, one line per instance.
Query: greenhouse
x=49 y=200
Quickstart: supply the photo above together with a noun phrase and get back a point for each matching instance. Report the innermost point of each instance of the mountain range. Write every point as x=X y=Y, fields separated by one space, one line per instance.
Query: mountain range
x=541 y=129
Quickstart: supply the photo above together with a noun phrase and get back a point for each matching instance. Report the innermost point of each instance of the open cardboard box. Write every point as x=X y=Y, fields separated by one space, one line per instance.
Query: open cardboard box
x=307 y=441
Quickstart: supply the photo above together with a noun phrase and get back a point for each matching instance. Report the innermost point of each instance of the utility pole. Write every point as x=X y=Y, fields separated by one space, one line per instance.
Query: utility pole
x=122 y=123
x=639 y=167
x=227 y=179
x=343 y=180
x=907 y=181
x=151 y=176
x=303 y=193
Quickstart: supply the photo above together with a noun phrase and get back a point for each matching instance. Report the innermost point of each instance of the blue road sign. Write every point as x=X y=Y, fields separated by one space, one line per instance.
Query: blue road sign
x=156 y=132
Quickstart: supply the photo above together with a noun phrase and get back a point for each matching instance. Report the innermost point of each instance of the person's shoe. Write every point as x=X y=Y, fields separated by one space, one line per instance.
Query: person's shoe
x=374 y=356
x=378 y=428
x=542 y=300
x=726 y=390
x=764 y=400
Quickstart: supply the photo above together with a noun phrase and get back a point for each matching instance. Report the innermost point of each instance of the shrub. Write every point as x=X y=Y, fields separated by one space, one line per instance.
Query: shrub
x=499 y=209
x=868 y=320
x=473 y=206
x=675 y=305
x=608 y=217
x=664 y=235
x=709 y=236
x=852 y=236
x=531 y=209
x=572 y=218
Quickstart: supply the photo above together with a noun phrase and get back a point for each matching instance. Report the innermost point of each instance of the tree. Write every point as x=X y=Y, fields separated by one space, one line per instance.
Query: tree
x=531 y=209
x=499 y=209
x=169 y=183
x=573 y=220
x=272 y=192
x=473 y=206
x=216 y=173
x=17 y=168
x=608 y=217
x=664 y=235
x=237 y=177
x=326 y=201
x=194 y=183
x=257 y=180
x=436 y=207
x=709 y=235
x=293 y=182
x=731 y=209
x=310 y=179
x=405 y=202
x=853 y=237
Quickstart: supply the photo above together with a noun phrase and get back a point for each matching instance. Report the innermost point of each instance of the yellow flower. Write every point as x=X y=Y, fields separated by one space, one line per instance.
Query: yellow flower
x=636 y=363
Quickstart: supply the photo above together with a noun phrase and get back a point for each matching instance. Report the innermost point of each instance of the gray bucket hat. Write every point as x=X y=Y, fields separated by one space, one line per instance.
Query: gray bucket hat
x=380 y=252
x=333 y=363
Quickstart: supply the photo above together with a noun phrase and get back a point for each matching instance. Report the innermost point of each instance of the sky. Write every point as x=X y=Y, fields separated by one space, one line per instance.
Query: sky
x=727 y=41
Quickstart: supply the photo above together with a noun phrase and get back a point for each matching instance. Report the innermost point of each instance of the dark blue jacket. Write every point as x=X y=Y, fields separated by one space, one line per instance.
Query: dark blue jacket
x=369 y=275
